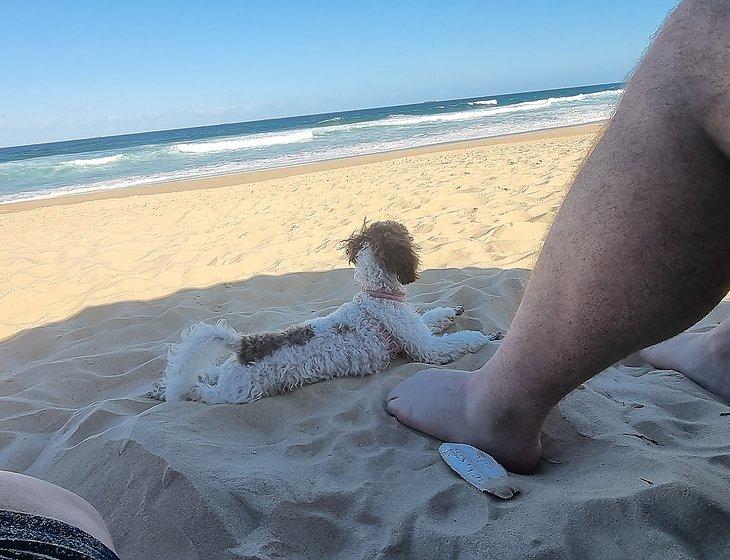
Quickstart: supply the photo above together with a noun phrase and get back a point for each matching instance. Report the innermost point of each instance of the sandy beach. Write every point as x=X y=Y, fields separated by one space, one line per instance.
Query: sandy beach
x=92 y=288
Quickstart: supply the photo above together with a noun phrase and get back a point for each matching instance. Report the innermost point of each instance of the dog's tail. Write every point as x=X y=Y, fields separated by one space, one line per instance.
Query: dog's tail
x=201 y=344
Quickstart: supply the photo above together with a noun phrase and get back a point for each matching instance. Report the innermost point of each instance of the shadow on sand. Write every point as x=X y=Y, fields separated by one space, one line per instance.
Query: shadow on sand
x=324 y=472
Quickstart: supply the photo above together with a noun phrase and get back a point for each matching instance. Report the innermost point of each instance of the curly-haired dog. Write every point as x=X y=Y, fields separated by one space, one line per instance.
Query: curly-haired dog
x=359 y=338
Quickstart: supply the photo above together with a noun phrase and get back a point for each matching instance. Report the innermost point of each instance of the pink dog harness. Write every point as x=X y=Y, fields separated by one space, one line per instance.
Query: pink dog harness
x=393 y=295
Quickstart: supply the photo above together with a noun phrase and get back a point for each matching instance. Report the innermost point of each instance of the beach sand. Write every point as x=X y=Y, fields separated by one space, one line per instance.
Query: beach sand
x=93 y=288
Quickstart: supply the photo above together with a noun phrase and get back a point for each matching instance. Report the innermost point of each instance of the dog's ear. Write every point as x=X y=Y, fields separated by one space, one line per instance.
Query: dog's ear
x=354 y=243
x=393 y=246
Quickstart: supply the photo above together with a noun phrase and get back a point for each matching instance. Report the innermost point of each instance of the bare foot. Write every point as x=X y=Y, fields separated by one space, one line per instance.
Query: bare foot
x=702 y=357
x=452 y=405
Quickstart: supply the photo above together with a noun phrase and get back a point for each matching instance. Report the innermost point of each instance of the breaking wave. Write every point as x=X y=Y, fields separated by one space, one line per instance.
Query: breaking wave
x=245 y=142
x=91 y=162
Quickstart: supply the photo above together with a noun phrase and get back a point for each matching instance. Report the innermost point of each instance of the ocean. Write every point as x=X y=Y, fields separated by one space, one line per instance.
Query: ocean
x=94 y=164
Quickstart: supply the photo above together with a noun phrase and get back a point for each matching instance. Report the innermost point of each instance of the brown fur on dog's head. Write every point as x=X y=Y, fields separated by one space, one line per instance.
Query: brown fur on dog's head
x=391 y=244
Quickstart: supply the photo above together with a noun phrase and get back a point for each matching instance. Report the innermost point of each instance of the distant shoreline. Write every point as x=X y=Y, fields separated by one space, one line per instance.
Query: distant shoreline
x=215 y=181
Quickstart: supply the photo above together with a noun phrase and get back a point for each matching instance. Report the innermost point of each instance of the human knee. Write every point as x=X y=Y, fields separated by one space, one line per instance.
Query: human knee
x=26 y=494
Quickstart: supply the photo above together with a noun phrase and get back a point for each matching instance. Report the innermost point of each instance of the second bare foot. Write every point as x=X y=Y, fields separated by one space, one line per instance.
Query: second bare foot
x=702 y=357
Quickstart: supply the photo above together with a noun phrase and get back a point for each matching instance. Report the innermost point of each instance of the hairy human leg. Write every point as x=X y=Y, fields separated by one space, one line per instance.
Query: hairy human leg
x=639 y=251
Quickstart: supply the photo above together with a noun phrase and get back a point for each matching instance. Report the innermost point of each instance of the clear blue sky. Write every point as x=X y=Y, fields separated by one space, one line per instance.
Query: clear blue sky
x=73 y=69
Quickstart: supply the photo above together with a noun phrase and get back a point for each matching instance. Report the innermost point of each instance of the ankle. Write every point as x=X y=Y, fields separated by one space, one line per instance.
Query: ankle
x=717 y=344
x=508 y=432
x=507 y=422
x=508 y=394
x=506 y=410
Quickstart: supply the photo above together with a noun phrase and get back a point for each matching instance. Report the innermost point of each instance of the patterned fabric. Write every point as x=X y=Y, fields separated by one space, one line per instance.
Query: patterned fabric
x=394 y=346
x=30 y=537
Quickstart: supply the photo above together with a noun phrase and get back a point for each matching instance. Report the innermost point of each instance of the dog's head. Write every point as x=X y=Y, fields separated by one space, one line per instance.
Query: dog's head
x=391 y=245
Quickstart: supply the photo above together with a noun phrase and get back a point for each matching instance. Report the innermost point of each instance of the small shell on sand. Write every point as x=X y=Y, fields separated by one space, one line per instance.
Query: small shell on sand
x=478 y=469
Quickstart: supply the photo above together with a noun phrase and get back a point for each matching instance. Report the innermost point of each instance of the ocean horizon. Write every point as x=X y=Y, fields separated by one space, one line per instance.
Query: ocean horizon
x=53 y=169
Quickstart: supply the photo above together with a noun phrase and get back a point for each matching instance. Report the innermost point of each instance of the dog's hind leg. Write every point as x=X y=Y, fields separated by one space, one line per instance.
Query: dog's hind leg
x=231 y=383
x=190 y=359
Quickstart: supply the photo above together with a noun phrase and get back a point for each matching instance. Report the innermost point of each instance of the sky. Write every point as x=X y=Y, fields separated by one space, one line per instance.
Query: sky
x=78 y=69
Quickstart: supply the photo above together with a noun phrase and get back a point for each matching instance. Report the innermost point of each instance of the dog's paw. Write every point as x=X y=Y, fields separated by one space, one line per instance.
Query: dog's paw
x=474 y=340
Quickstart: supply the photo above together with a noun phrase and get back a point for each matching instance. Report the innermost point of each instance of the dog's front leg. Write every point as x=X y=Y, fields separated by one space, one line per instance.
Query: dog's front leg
x=409 y=330
x=446 y=348
x=440 y=318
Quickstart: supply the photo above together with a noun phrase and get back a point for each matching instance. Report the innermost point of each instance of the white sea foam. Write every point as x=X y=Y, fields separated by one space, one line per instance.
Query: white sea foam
x=245 y=142
x=577 y=116
x=91 y=162
x=163 y=177
x=406 y=120
x=484 y=102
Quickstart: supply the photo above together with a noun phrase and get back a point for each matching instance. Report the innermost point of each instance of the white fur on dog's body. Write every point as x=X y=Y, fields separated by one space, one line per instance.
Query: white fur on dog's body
x=354 y=340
